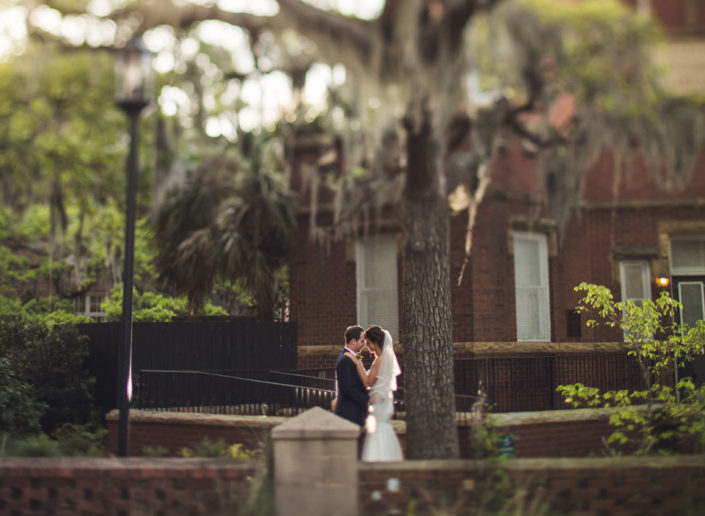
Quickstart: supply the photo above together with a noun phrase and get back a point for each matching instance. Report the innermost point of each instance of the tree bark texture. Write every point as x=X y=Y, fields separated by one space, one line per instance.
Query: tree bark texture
x=426 y=315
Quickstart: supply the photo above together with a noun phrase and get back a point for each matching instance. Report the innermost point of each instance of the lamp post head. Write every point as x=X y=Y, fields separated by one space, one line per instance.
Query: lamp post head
x=133 y=76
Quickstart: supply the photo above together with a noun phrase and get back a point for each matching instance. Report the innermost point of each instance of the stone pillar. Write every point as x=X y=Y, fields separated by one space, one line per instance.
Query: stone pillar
x=315 y=465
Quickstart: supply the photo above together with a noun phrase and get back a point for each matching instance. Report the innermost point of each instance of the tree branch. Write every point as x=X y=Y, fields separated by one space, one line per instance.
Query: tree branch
x=457 y=14
x=515 y=125
x=334 y=34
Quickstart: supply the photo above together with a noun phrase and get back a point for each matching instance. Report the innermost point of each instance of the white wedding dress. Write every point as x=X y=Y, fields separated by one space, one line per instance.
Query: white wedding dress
x=381 y=442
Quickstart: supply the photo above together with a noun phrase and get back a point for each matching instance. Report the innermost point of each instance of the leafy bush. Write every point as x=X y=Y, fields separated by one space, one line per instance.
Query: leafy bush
x=52 y=311
x=153 y=307
x=50 y=358
x=20 y=411
x=81 y=440
x=39 y=445
x=68 y=441
x=662 y=417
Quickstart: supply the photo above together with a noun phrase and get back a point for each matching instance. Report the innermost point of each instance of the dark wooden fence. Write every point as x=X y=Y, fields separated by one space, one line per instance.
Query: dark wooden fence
x=198 y=345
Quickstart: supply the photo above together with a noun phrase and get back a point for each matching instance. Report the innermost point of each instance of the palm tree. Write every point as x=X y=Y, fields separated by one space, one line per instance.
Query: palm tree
x=255 y=227
x=231 y=219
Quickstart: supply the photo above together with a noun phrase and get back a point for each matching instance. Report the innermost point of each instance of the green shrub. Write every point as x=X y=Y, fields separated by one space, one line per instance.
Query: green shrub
x=68 y=441
x=662 y=417
x=50 y=358
x=20 y=410
x=40 y=445
x=81 y=440
x=151 y=306
x=154 y=451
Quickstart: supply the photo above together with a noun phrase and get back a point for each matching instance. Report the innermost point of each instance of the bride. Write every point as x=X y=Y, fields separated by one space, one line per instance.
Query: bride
x=381 y=442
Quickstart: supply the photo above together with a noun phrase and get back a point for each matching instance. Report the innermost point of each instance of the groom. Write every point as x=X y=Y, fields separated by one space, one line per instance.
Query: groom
x=352 y=395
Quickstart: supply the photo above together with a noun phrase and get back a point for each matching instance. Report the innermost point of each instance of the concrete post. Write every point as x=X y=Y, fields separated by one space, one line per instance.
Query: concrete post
x=315 y=465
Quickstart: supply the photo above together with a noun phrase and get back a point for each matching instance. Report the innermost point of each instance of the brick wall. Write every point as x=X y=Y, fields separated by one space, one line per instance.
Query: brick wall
x=614 y=486
x=555 y=433
x=323 y=301
x=623 y=485
x=125 y=486
x=323 y=281
x=175 y=430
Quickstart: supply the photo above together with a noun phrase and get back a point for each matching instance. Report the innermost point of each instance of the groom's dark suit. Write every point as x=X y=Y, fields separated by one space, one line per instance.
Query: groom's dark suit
x=352 y=394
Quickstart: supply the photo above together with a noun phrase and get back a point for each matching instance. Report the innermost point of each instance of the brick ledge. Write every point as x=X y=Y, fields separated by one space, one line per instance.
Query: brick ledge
x=193 y=418
x=495 y=348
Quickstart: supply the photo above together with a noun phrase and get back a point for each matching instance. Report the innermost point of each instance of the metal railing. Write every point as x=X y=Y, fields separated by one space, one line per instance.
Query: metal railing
x=216 y=392
x=510 y=384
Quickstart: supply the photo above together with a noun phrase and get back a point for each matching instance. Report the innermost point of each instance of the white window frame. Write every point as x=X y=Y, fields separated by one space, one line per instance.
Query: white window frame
x=389 y=244
x=541 y=291
x=687 y=271
x=645 y=275
x=83 y=305
x=702 y=297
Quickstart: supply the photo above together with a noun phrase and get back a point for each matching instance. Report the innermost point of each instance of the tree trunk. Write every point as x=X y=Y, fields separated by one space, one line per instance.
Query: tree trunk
x=426 y=313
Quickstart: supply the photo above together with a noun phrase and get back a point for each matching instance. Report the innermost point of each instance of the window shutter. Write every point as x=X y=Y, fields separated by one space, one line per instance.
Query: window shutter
x=531 y=286
x=635 y=280
x=377 y=301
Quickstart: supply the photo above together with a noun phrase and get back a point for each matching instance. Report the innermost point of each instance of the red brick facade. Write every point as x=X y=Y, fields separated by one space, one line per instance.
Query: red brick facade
x=636 y=223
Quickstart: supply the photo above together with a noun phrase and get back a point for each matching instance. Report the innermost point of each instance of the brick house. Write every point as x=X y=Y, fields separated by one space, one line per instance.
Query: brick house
x=517 y=293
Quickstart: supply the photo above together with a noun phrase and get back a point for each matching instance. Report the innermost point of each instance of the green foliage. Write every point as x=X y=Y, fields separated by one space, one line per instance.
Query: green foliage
x=50 y=358
x=485 y=439
x=485 y=434
x=218 y=449
x=49 y=311
x=232 y=219
x=59 y=130
x=662 y=417
x=154 y=451
x=39 y=445
x=153 y=307
x=63 y=180
x=68 y=441
x=81 y=440
x=20 y=410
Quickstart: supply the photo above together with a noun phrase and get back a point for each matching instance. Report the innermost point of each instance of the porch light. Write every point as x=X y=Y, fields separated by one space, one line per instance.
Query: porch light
x=663 y=281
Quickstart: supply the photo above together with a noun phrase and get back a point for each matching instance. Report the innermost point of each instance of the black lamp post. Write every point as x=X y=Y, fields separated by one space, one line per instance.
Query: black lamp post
x=133 y=85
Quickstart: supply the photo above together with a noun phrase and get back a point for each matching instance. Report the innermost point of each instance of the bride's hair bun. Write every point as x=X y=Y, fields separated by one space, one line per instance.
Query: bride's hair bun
x=375 y=334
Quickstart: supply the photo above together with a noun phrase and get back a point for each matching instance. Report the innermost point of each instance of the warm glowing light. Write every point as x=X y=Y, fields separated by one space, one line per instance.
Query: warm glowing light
x=662 y=282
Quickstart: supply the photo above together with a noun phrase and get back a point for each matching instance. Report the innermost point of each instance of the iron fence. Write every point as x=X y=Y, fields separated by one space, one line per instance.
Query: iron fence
x=253 y=393
x=191 y=345
x=509 y=384
x=529 y=383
